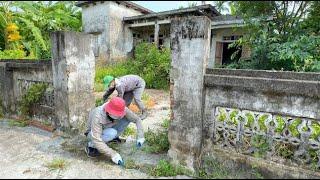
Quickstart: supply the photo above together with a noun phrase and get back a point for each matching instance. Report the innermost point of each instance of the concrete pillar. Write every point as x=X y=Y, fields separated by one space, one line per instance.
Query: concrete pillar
x=190 y=45
x=156 y=33
x=6 y=86
x=73 y=64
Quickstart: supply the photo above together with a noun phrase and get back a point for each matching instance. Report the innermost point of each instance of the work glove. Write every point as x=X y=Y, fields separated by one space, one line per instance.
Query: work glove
x=118 y=160
x=140 y=142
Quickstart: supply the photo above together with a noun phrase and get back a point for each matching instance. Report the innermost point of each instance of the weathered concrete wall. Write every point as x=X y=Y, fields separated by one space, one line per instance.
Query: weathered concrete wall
x=281 y=97
x=121 y=40
x=95 y=20
x=17 y=76
x=104 y=20
x=73 y=71
x=190 y=50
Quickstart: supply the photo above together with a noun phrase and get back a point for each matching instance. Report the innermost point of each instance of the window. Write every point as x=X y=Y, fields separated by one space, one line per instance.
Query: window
x=231 y=38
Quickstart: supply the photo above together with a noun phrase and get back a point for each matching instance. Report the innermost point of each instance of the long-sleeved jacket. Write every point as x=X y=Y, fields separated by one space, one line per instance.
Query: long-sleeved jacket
x=124 y=84
x=98 y=120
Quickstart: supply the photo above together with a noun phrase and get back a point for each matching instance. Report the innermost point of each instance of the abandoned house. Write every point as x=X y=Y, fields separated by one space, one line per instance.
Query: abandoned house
x=118 y=26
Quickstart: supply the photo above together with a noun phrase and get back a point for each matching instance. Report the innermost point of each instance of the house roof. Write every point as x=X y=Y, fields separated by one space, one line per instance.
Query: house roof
x=126 y=3
x=206 y=9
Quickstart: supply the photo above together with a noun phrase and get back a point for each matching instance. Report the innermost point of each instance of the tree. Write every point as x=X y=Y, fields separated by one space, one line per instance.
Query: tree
x=279 y=34
x=37 y=19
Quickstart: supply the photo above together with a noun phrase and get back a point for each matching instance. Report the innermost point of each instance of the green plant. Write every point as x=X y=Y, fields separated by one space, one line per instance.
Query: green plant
x=261 y=145
x=150 y=63
x=165 y=169
x=12 y=54
x=157 y=142
x=165 y=124
x=129 y=131
x=56 y=164
x=31 y=97
x=99 y=102
x=130 y=164
x=98 y=87
x=18 y=123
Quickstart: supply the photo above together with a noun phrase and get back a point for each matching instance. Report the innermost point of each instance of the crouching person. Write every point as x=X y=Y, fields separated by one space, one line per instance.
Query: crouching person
x=106 y=123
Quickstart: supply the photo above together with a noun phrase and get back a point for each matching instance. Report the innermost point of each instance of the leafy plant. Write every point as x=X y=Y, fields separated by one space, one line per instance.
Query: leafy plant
x=129 y=131
x=157 y=142
x=165 y=169
x=18 y=123
x=150 y=63
x=31 y=97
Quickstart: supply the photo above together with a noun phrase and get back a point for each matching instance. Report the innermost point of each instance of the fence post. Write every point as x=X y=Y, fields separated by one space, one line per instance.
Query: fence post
x=190 y=45
x=73 y=66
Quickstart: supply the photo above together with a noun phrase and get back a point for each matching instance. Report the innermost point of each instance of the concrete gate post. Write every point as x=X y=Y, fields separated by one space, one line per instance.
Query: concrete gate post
x=73 y=66
x=190 y=45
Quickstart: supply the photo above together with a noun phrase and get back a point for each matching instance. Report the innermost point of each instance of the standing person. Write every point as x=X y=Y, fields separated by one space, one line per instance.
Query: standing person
x=106 y=123
x=128 y=87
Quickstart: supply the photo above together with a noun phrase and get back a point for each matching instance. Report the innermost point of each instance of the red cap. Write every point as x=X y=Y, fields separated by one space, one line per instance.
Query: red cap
x=116 y=107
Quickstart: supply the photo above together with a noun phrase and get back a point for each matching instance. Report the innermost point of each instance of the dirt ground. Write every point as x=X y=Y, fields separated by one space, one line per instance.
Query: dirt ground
x=26 y=151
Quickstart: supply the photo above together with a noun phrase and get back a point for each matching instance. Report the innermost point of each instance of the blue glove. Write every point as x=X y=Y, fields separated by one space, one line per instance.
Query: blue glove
x=140 y=142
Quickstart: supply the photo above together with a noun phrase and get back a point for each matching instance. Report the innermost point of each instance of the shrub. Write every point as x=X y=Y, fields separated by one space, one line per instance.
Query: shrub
x=150 y=63
x=32 y=96
x=12 y=54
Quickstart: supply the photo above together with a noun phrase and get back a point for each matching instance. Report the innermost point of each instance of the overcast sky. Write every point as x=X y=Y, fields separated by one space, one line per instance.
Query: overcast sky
x=158 y=6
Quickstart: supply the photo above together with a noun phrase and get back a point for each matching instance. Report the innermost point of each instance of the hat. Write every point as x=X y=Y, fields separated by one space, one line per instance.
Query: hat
x=116 y=107
x=107 y=80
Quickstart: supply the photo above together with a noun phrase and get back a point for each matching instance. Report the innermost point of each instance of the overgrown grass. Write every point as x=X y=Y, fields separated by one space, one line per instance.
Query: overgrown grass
x=157 y=142
x=17 y=123
x=99 y=102
x=150 y=63
x=57 y=164
x=165 y=168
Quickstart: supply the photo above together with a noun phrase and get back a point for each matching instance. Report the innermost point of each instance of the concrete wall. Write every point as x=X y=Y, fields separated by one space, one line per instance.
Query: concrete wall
x=190 y=50
x=115 y=40
x=95 y=20
x=16 y=78
x=73 y=71
x=289 y=96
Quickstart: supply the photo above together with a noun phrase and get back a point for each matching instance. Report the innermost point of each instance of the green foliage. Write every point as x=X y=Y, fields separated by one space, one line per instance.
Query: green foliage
x=57 y=164
x=165 y=169
x=157 y=142
x=129 y=131
x=261 y=145
x=288 y=41
x=31 y=97
x=35 y=21
x=12 y=54
x=153 y=65
x=99 y=102
x=150 y=63
x=165 y=124
x=18 y=123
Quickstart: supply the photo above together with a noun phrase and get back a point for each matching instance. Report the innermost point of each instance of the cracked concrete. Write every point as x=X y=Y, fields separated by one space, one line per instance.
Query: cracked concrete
x=25 y=151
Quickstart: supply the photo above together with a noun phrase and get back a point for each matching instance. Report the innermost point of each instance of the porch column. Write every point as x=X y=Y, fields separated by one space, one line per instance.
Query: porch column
x=156 y=33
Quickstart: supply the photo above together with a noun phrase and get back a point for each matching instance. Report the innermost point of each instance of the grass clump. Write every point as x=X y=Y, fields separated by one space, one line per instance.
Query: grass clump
x=129 y=131
x=18 y=123
x=57 y=164
x=165 y=168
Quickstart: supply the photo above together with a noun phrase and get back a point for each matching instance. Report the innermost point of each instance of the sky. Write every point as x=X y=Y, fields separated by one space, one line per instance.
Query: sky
x=158 y=6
